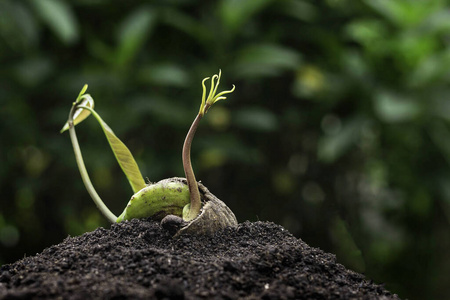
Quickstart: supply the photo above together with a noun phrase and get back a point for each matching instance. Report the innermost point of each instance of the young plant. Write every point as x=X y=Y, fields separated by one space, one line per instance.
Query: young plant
x=194 y=193
x=179 y=201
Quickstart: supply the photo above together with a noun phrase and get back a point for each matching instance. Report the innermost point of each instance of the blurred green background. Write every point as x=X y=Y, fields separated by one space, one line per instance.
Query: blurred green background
x=339 y=128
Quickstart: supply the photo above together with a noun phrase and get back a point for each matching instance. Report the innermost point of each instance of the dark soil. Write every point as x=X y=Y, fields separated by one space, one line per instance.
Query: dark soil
x=139 y=260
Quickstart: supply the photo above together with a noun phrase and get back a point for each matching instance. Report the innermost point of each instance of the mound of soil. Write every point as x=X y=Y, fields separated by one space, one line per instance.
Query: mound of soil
x=139 y=260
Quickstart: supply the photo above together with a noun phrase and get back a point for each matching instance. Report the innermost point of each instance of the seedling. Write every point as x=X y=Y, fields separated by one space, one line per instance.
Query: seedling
x=183 y=205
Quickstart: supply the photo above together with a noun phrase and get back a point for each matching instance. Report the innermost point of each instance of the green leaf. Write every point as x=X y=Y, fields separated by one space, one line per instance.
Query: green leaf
x=263 y=60
x=122 y=154
x=332 y=146
x=431 y=69
x=392 y=108
x=257 y=119
x=59 y=17
x=133 y=32
x=298 y=9
x=165 y=74
x=405 y=13
x=186 y=23
x=369 y=32
x=235 y=13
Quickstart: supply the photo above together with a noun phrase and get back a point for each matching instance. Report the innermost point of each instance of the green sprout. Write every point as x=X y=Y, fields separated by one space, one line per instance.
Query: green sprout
x=158 y=200
x=196 y=204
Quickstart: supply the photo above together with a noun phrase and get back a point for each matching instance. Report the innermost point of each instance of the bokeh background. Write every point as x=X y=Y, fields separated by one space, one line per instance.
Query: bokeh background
x=339 y=128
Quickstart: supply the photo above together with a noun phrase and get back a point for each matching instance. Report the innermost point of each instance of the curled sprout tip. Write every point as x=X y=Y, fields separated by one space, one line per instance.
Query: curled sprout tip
x=213 y=97
x=78 y=114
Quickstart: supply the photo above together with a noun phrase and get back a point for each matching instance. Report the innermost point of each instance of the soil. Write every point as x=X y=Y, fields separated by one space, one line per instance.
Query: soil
x=138 y=259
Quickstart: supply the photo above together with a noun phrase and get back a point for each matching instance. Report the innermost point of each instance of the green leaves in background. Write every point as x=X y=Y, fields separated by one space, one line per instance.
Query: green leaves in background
x=131 y=35
x=264 y=60
x=235 y=13
x=256 y=118
x=392 y=108
x=333 y=145
x=59 y=17
x=133 y=32
x=164 y=74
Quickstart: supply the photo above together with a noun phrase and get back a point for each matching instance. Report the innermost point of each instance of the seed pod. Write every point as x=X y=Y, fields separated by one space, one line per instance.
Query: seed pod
x=157 y=200
x=166 y=200
x=214 y=215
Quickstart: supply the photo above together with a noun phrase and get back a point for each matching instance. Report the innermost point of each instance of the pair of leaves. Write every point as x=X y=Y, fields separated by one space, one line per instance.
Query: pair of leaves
x=85 y=107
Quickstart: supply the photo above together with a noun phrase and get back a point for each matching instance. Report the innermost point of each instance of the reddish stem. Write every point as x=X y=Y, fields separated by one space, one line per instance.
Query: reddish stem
x=194 y=193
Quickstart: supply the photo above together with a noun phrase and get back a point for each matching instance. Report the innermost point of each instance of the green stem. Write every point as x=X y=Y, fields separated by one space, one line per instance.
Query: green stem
x=84 y=174
x=194 y=193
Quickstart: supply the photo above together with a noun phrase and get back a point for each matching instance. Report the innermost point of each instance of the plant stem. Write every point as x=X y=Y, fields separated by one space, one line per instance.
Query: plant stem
x=194 y=193
x=84 y=174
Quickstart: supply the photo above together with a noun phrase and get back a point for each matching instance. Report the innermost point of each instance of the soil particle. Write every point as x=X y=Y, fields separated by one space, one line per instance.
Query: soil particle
x=137 y=259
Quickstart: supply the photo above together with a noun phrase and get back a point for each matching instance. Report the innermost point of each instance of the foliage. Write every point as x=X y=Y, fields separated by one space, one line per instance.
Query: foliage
x=339 y=128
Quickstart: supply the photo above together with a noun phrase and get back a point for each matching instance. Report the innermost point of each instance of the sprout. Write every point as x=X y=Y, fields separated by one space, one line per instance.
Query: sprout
x=79 y=158
x=81 y=109
x=175 y=196
x=196 y=204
